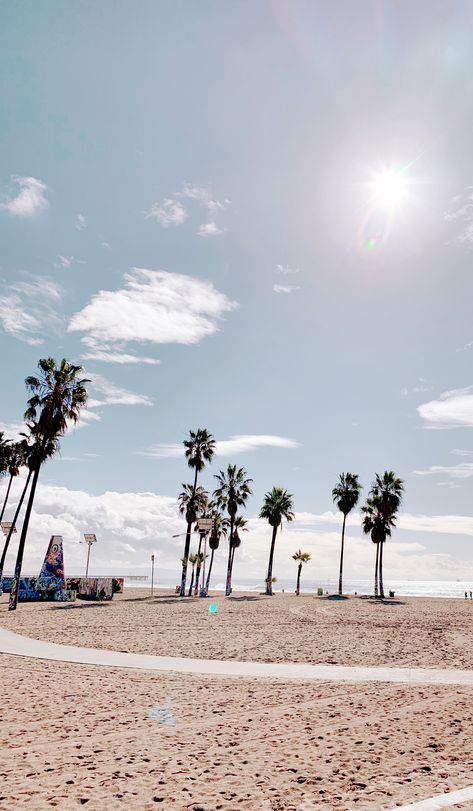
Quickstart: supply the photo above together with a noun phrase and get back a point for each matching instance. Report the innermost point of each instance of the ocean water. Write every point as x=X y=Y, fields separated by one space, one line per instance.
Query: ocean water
x=408 y=588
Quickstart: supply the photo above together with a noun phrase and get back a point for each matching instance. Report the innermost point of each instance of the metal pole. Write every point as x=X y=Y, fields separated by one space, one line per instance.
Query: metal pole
x=152 y=574
x=205 y=555
x=88 y=557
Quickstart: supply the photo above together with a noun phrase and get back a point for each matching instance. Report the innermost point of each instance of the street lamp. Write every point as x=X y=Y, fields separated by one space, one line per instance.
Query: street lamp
x=89 y=539
x=152 y=574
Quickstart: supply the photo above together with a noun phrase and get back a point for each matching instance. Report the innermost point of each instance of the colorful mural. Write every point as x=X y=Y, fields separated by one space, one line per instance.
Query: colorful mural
x=51 y=576
x=96 y=588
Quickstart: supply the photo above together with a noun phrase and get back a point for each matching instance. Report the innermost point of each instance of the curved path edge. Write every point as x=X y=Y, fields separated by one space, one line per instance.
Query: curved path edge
x=439 y=801
x=17 y=645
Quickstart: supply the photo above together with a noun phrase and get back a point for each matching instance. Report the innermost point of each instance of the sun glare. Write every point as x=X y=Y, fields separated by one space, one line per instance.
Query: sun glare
x=390 y=189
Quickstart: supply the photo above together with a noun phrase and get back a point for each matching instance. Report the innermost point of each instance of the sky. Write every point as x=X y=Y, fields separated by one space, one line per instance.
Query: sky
x=193 y=207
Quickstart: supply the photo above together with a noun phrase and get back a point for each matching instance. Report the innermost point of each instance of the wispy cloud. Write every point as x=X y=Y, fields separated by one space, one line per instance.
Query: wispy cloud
x=226 y=447
x=64 y=261
x=29 y=200
x=209 y=229
x=153 y=307
x=286 y=269
x=461 y=214
x=28 y=309
x=464 y=470
x=81 y=222
x=285 y=288
x=169 y=212
x=172 y=211
x=111 y=394
x=453 y=409
x=119 y=357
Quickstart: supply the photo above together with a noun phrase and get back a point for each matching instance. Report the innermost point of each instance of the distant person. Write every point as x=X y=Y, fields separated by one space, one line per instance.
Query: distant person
x=466 y=595
x=471 y=595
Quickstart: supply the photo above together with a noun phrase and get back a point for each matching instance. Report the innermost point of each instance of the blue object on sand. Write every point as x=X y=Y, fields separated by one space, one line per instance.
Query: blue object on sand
x=213 y=607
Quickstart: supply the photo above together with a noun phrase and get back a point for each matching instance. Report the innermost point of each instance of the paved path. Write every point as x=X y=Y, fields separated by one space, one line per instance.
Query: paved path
x=17 y=645
x=440 y=801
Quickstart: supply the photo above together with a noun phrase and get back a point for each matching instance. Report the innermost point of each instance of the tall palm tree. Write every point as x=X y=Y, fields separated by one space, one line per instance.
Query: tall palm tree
x=232 y=492
x=15 y=459
x=58 y=394
x=199 y=449
x=300 y=558
x=387 y=491
x=345 y=495
x=373 y=524
x=192 y=503
x=276 y=506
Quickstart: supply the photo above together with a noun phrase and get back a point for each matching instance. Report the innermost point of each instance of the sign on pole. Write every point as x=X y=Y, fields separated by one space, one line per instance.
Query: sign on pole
x=6 y=527
x=205 y=524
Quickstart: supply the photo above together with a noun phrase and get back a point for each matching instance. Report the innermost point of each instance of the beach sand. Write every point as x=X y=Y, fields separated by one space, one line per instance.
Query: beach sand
x=77 y=736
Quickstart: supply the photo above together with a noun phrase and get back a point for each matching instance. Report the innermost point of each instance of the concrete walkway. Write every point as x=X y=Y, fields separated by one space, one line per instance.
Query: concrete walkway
x=17 y=645
x=440 y=801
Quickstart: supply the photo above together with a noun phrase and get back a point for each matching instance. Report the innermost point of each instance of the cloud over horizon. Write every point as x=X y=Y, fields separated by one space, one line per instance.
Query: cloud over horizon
x=29 y=200
x=225 y=447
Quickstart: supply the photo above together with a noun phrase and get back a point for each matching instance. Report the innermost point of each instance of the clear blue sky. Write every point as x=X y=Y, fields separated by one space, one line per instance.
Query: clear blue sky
x=227 y=144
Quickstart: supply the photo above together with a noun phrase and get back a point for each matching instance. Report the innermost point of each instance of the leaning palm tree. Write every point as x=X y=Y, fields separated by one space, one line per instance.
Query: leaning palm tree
x=58 y=394
x=199 y=449
x=276 y=506
x=345 y=495
x=300 y=558
x=5 y=448
x=232 y=492
x=386 y=491
x=15 y=459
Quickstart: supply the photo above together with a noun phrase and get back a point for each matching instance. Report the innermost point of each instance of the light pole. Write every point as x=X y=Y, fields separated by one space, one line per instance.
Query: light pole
x=152 y=574
x=89 y=539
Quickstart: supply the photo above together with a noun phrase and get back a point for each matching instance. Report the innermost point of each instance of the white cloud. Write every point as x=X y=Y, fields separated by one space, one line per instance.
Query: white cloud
x=286 y=269
x=64 y=261
x=453 y=409
x=461 y=214
x=152 y=307
x=29 y=200
x=119 y=357
x=226 y=447
x=12 y=430
x=209 y=229
x=81 y=222
x=461 y=471
x=204 y=195
x=114 y=395
x=285 y=288
x=130 y=526
x=169 y=212
x=27 y=309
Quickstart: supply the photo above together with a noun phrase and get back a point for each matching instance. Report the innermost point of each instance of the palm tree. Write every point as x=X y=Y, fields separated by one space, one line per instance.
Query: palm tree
x=58 y=394
x=232 y=492
x=200 y=557
x=345 y=495
x=373 y=524
x=387 y=490
x=5 y=447
x=300 y=558
x=276 y=506
x=27 y=451
x=235 y=541
x=192 y=561
x=15 y=459
x=199 y=449
x=219 y=529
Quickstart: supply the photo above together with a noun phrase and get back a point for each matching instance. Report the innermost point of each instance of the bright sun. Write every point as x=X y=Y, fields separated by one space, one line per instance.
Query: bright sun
x=389 y=188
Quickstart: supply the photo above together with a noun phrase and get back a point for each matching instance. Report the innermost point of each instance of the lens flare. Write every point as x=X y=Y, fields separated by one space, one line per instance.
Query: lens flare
x=213 y=608
x=390 y=189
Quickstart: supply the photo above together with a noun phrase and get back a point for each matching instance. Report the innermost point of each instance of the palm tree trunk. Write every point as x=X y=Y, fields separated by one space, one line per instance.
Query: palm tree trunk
x=6 y=499
x=340 y=575
x=233 y=558
x=269 y=579
x=298 y=586
x=209 y=572
x=15 y=519
x=21 y=546
x=197 y=575
x=381 y=584
x=228 y=585
x=189 y=593
x=187 y=546
x=376 y=569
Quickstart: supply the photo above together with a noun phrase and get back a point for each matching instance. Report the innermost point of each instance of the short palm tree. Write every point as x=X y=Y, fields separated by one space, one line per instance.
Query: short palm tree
x=192 y=561
x=235 y=541
x=199 y=449
x=232 y=492
x=276 y=506
x=58 y=394
x=345 y=495
x=219 y=529
x=300 y=558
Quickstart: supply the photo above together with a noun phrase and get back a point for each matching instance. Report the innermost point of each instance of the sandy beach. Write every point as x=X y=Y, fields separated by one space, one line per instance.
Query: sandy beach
x=81 y=736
